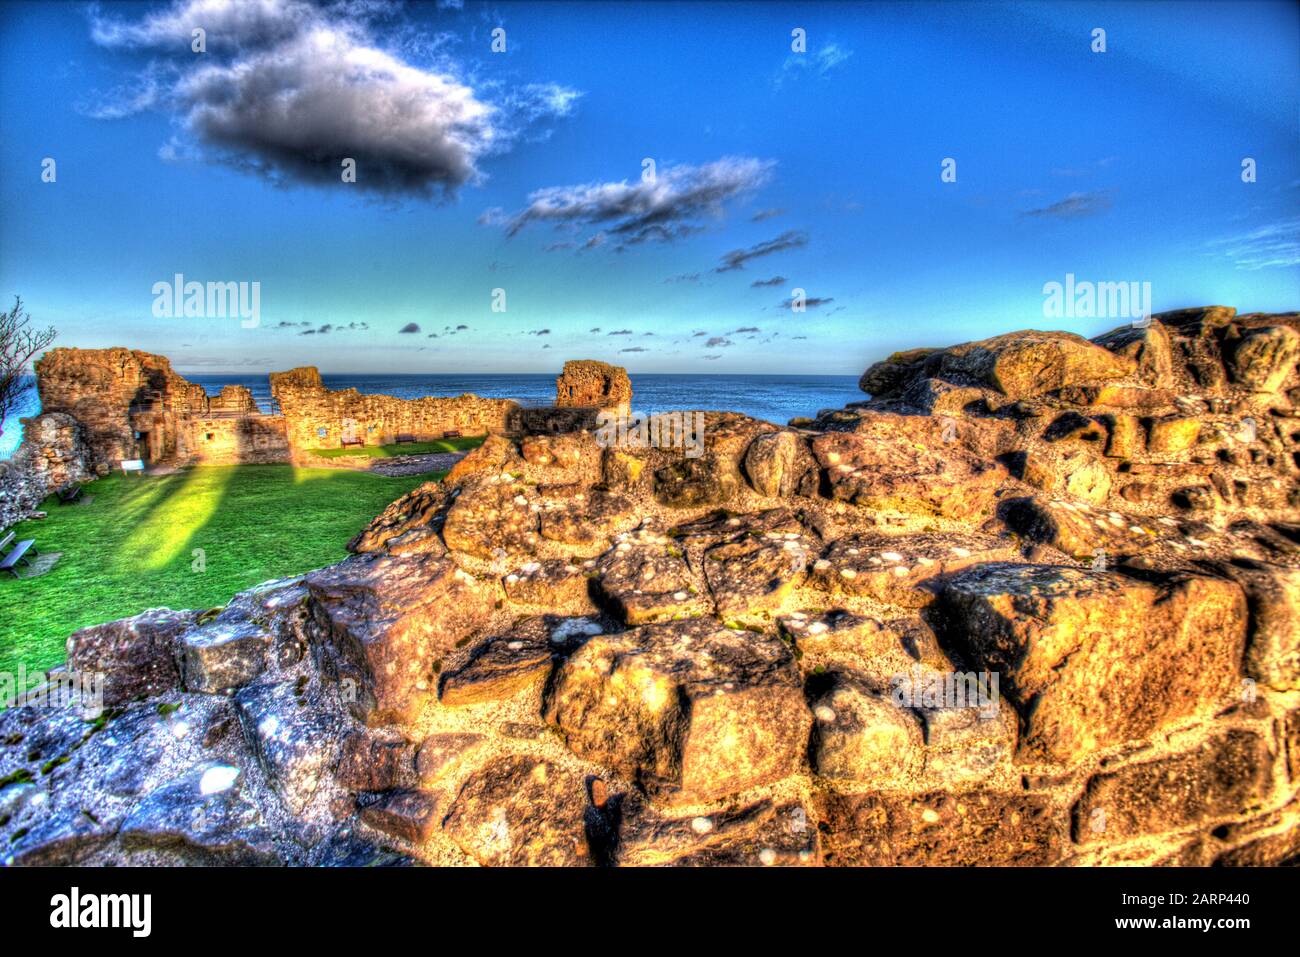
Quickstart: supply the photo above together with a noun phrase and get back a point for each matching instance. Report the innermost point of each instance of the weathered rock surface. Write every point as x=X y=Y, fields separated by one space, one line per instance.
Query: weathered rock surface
x=1031 y=602
x=964 y=829
x=382 y=622
x=902 y=478
x=1226 y=776
x=861 y=735
x=692 y=710
x=1023 y=364
x=1093 y=658
x=136 y=656
x=518 y=811
x=759 y=835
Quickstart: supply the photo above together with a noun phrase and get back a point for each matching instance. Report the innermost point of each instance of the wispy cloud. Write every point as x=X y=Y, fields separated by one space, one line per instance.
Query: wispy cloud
x=818 y=63
x=1085 y=169
x=1074 y=206
x=736 y=259
x=1264 y=247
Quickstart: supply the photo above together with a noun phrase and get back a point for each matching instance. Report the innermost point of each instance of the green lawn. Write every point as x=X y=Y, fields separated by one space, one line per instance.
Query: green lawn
x=411 y=448
x=132 y=547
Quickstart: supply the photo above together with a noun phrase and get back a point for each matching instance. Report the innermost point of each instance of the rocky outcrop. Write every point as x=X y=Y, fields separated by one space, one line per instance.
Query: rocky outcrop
x=1031 y=603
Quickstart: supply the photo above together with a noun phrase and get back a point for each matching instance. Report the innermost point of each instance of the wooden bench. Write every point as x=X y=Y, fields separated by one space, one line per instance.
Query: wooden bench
x=18 y=554
x=132 y=465
x=344 y=443
x=405 y=438
x=68 y=494
x=451 y=434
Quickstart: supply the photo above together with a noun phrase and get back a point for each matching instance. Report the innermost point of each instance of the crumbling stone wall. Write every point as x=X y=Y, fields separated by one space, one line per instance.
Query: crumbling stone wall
x=587 y=383
x=132 y=404
x=233 y=400
x=321 y=418
x=119 y=394
x=53 y=454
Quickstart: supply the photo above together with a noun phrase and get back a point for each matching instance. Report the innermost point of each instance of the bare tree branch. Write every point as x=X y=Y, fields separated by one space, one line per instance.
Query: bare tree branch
x=19 y=344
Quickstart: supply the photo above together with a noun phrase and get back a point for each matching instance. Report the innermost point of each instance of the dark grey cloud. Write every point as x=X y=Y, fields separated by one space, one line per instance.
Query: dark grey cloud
x=620 y=332
x=539 y=332
x=634 y=349
x=765 y=214
x=290 y=89
x=809 y=302
x=409 y=328
x=665 y=209
x=744 y=329
x=774 y=281
x=717 y=342
x=736 y=259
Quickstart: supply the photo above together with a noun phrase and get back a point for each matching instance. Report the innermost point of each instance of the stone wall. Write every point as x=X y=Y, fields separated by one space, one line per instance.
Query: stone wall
x=53 y=454
x=253 y=439
x=320 y=418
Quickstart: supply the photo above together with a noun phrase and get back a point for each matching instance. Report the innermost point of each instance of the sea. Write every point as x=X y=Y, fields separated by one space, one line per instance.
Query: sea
x=775 y=398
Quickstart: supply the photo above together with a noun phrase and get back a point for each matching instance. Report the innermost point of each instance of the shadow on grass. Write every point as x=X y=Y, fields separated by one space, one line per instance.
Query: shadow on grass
x=132 y=547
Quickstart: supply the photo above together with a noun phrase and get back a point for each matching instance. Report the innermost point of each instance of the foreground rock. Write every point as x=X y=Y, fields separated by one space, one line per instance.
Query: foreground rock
x=1093 y=659
x=690 y=710
x=1032 y=602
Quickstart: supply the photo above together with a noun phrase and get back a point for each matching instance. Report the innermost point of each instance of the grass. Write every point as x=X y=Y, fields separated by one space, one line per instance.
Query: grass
x=132 y=547
x=461 y=444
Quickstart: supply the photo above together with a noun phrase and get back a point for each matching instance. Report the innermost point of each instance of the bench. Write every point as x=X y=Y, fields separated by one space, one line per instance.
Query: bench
x=405 y=438
x=451 y=434
x=344 y=443
x=132 y=465
x=68 y=494
x=18 y=554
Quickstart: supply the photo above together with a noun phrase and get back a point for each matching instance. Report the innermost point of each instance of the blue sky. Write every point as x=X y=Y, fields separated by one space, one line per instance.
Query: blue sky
x=522 y=171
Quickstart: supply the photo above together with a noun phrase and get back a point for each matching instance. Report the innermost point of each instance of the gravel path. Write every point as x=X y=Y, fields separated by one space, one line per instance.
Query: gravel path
x=416 y=464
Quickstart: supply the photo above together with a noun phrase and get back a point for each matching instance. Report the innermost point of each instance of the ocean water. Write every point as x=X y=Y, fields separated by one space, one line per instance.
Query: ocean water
x=776 y=398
